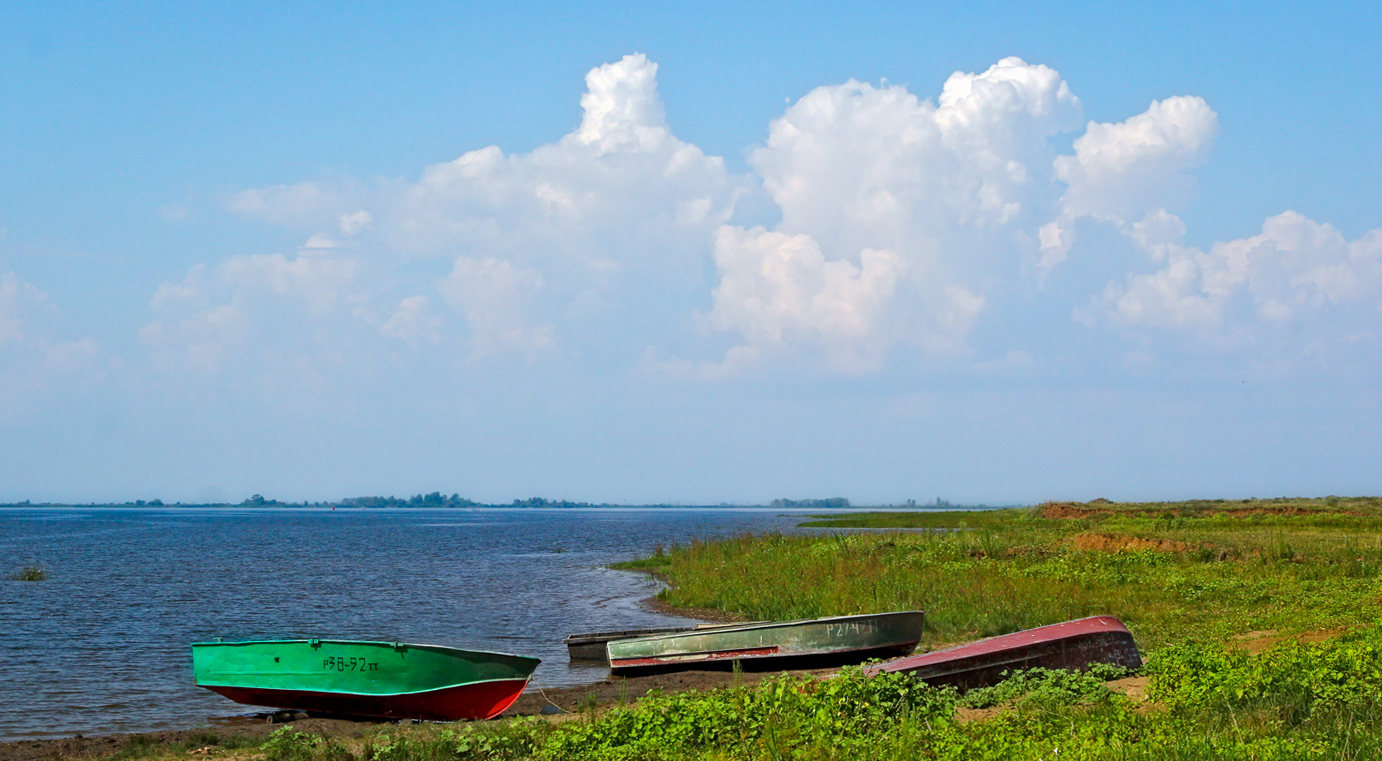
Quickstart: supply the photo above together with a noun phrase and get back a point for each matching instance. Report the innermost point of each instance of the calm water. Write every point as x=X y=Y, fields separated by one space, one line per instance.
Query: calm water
x=102 y=645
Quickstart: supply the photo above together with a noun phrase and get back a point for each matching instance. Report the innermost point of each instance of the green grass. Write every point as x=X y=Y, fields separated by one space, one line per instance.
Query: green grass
x=1316 y=701
x=29 y=573
x=655 y=562
x=1186 y=577
x=1172 y=570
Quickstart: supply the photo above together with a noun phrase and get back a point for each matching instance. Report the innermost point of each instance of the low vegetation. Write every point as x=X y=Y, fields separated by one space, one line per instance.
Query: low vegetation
x=1170 y=571
x=1258 y=620
x=1313 y=701
x=29 y=573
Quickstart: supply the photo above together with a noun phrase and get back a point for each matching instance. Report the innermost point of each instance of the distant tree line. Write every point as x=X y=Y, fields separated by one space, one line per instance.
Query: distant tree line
x=811 y=503
x=438 y=500
x=435 y=499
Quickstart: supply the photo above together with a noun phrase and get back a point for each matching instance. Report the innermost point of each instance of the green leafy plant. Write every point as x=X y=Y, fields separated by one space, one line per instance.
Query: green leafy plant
x=29 y=573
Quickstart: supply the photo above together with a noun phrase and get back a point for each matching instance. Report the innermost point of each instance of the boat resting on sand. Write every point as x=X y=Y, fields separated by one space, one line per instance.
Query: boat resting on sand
x=812 y=643
x=591 y=646
x=1071 y=645
x=381 y=679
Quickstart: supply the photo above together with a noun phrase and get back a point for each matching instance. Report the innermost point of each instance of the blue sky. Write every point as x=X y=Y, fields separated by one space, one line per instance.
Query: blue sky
x=717 y=252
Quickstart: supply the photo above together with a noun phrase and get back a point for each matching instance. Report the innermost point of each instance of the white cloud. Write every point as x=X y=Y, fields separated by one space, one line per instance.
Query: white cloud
x=1133 y=167
x=779 y=291
x=319 y=240
x=495 y=298
x=856 y=166
x=249 y=303
x=613 y=222
x=414 y=322
x=18 y=301
x=306 y=205
x=1297 y=272
x=355 y=222
x=904 y=223
x=34 y=365
x=1123 y=172
x=895 y=213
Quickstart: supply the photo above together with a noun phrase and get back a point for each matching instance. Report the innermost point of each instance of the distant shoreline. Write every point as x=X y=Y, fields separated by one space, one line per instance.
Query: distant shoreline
x=485 y=506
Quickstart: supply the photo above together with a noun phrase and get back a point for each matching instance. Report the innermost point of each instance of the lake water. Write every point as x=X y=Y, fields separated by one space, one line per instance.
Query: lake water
x=102 y=645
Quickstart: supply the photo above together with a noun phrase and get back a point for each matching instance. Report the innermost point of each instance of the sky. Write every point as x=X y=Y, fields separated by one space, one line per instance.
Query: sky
x=691 y=253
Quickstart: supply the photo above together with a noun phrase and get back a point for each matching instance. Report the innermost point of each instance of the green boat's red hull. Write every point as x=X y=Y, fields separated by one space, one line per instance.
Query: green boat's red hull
x=484 y=700
x=395 y=680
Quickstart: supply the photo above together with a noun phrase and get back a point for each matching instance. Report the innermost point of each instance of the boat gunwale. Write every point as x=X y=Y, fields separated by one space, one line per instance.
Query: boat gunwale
x=615 y=663
x=443 y=649
x=768 y=625
x=586 y=638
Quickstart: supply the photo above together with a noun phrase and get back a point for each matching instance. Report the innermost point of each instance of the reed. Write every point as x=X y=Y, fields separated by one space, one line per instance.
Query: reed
x=1170 y=570
x=29 y=573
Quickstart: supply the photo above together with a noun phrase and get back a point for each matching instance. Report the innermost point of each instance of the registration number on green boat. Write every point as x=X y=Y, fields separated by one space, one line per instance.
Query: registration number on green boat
x=349 y=664
x=844 y=628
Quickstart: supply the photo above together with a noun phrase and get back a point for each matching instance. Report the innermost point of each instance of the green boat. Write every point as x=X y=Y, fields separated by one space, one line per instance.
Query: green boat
x=380 y=679
x=812 y=643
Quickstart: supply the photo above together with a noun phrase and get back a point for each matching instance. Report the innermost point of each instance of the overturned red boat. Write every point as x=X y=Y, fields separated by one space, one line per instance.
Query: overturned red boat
x=1070 y=645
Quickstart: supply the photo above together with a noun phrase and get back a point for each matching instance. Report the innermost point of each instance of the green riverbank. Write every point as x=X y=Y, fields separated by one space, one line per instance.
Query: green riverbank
x=1258 y=621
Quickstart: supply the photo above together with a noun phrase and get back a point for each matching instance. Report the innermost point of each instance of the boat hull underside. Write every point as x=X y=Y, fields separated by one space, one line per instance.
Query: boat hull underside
x=479 y=700
x=1075 y=654
x=1073 y=645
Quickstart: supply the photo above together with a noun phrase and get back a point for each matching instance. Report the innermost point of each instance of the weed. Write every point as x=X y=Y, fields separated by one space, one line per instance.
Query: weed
x=29 y=573
x=1170 y=571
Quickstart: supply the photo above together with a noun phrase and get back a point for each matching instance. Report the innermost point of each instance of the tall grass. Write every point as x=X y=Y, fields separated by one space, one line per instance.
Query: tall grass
x=1174 y=570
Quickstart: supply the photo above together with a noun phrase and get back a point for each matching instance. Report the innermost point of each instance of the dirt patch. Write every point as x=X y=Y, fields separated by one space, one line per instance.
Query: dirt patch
x=964 y=715
x=1258 y=642
x=1066 y=511
x=1135 y=687
x=1072 y=511
x=1117 y=543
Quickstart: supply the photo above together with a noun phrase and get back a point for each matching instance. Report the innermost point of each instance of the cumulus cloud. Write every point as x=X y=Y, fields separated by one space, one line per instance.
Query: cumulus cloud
x=895 y=211
x=1132 y=167
x=905 y=223
x=1124 y=172
x=612 y=223
x=780 y=291
x=1296 y=272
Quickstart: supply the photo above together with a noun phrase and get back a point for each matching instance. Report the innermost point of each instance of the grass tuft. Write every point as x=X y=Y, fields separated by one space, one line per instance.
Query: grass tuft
x=29 y=573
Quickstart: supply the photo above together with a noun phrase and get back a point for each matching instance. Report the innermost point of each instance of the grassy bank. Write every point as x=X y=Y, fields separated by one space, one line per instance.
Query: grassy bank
x=1206 y=570
x=1259 y=620
x=1300 y=702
